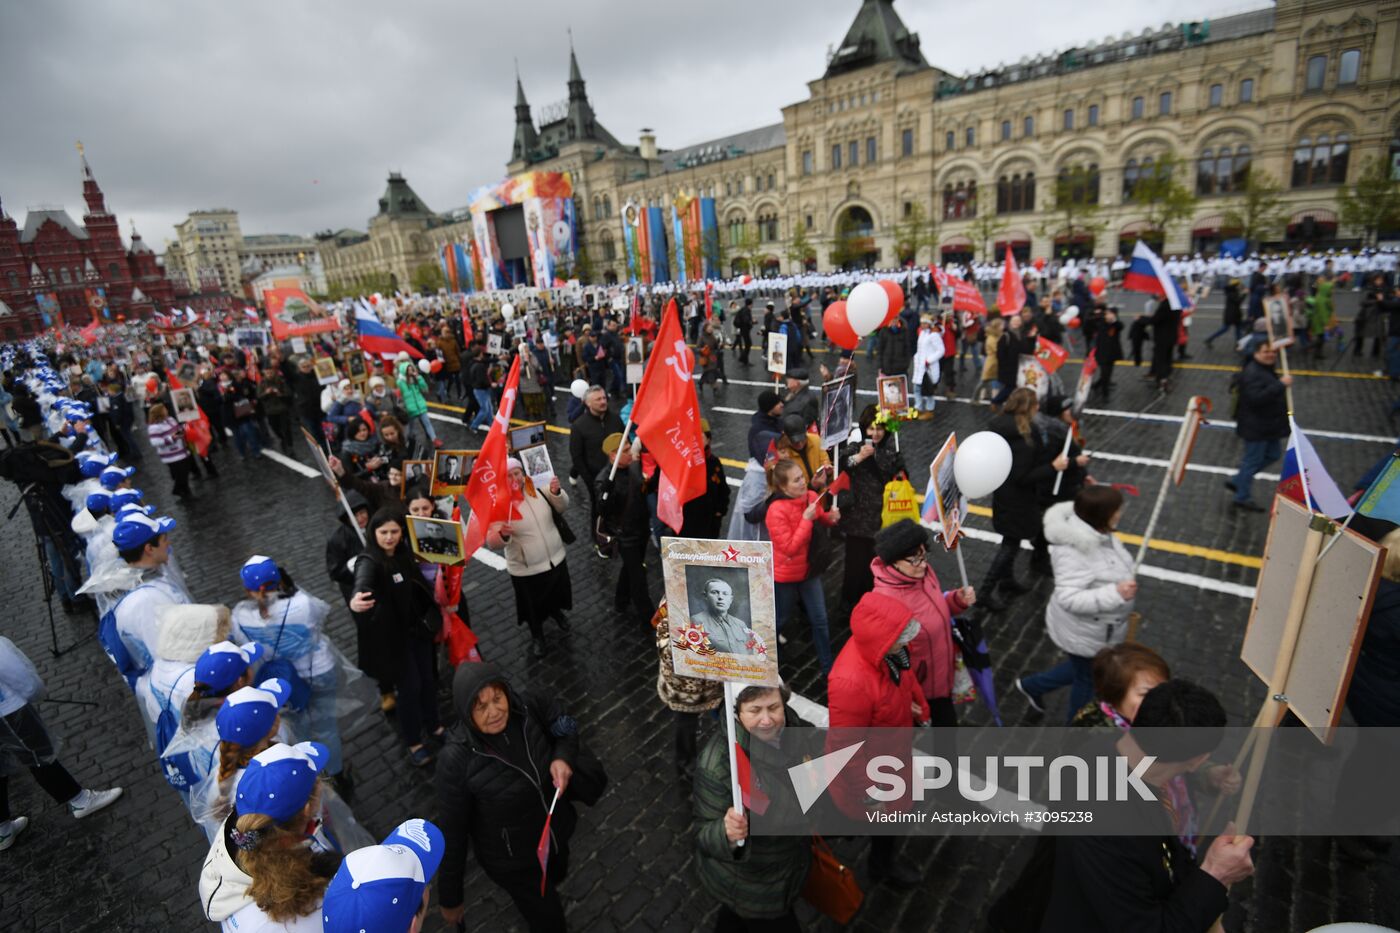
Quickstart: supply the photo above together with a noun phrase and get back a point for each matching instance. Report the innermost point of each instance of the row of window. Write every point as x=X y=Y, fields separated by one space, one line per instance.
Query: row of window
x=853 y=153
x=852 y=102
x=1348 y=70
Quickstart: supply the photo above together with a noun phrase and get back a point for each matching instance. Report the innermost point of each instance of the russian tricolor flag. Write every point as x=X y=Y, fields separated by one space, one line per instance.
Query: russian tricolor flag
x=1305 y=480
x=1146 y=273
x=377 y=339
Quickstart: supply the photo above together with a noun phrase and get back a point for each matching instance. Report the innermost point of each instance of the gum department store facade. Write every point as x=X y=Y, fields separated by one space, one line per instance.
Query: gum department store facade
x=1306 y=92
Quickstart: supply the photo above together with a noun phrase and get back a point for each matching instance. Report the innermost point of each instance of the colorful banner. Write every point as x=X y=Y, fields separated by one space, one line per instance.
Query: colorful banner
x=656 y=230
x=632 y=242
x=549 y=229
x=97 y=302
x=550 y=225
x=456 y=269
x=49 y=309
x=292 y=313
x=709 y=237
x=686 y=224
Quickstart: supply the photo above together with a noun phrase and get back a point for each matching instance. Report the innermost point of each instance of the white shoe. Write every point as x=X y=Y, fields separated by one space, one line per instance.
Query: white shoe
x=10 y=830
x=782 y=639
x=89 y=802
x=573 y=480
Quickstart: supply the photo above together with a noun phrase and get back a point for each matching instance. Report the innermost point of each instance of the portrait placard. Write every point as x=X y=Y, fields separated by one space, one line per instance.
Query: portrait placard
x=494 y=343
x=416 y=473
x=526 y=435
x=186 y=408
x=451 y=470
x=636 y=356
x=318 y=454
x=722 y=610
x=838 y=402
x=949 y=501
x=1278 y=319
x=777 y=353
x=436 y=540
x=250 y=337
x=326 y=373
x=536 y=464
x=893 y=394
x=355 y=369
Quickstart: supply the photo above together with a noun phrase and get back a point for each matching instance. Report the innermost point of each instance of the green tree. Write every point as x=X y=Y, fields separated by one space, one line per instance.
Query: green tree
x=1259 y=209
x=917 y=229
x=751 y=249
x=1074 y=206
x=987 y=225
x=576 y=266
x=1373 y=203
x=1160 y=194
x=799 y=249
x=427 y=278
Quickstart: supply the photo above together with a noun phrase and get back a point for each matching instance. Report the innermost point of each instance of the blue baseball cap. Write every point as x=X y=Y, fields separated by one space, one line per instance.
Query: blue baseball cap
x=133 y=509
x=113 y=476
x=381 y=887
x=125 y=497
x=75 y=414
x=258 y=572
x=134 y=530
x=91 y=465
x=222 y=664
x=249 y=712
x=279 y=781
x=99 y=502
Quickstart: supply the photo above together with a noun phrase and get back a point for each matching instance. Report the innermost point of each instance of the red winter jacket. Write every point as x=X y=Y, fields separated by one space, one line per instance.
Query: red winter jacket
x=791 y=534
x=862 y=695
x=931 y=653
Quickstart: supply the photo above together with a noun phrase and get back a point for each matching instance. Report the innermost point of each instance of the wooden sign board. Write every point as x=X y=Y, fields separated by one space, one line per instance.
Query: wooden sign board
x=1334 y=620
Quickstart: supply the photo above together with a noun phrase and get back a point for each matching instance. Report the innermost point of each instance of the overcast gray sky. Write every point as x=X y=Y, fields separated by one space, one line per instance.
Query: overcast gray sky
x=292 y=112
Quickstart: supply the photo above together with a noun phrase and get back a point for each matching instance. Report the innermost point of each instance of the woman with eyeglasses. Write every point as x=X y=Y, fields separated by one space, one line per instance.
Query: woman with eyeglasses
x=901 y=570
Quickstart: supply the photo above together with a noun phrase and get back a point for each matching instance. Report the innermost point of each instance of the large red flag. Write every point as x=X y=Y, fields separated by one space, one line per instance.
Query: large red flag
x=466 y=324
x=197 y=432
x=1051 y=355
x=966 y=297
x=1011 y=297
x=669 y=422
x=488 y=489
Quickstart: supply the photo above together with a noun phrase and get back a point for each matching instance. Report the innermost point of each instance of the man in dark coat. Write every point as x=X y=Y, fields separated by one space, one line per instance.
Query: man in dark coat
x=1108 y=349
x=1166 y=327
x=342 y=548
x=627 y=516
x=496 y=777
x=703 y=516
x=894 y=349
x=743 y=332
x=1261 y=421
x=306 y=388
x=801 y=399
x=594 y=423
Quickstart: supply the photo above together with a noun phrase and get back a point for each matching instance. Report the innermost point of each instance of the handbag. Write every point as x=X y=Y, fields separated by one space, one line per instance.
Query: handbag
x=831 y=887
x=242 y=408
x=898 y=503
x=561 y=525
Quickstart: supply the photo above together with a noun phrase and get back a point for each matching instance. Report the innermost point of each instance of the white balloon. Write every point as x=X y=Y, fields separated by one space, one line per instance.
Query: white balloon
x=1069 y=314
x=425 y=367
x=866 y=308
x=507 y=310
x=579 y=388
x=982 y=464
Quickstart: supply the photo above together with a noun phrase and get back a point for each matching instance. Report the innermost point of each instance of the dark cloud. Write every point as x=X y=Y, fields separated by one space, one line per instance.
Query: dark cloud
x=292 y=113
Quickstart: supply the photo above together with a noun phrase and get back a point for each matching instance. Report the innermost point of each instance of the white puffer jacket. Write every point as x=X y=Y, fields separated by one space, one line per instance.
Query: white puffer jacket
x=1085 y=613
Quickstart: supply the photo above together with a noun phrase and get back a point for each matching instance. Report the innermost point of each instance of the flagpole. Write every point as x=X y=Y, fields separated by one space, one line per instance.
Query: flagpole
x=1181 y=436
x=1064 y=452
x=1287 y=389
x=730 y=713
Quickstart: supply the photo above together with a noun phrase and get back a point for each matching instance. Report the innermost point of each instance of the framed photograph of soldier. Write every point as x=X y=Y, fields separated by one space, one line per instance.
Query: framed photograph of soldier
x=838 y=400
x=416 y=473
x=355 y=369
x=722 y=609
x=250 y=337
x=186 y=408
x=436 y=540
x=777 y=353
x=318 y=454
x=451 y=470
x=536 y=464
x=636 y=359
x=892 y=393
x=1278 y=319
x=326 y=373
x=298 y=344
x=526 y=435
x=494 y=343
x=949 y=501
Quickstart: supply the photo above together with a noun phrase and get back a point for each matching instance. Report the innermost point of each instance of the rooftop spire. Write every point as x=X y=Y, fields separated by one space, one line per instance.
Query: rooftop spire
x=92 y=194
x=877 y=35
x=526 y=140
x=574 y=73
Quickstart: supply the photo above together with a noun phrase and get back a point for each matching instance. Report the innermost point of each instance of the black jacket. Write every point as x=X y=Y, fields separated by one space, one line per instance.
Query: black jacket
x=1374 y=695
x=861 y=504
x=307 y=390
x=1016 y=504
x=1009 y=350
x=764 y=430
x=894 y=351
x=622 y=501
x=344 y=544
x=402 y=599
x=479 y=375
x=703 y=516
x=586 y=441
x=494 y=791
x=1108 y=347
x=806 y=402
x=1263 y=408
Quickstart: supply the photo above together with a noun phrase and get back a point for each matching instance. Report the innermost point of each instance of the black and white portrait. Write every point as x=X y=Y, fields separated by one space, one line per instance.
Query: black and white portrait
x=186 y=409
x=535 y=462
x=526 y=435
x=451 y=469
x=1279 y=320
x=718 y=599
x=436 y=540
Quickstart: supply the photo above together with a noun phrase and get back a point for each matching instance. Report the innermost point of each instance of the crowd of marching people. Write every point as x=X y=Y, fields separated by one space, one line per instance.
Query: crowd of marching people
x=246 y=704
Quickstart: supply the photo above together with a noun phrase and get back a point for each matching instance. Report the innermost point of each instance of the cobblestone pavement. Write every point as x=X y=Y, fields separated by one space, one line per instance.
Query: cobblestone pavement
x=135 y=866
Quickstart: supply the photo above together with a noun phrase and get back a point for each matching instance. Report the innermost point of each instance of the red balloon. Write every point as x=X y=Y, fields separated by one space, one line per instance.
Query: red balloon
x=1039 y=264
x=838 y=329
x=435 y=366
x=1097 y=285
x=896 y=296
x=1073 y=323
x=746 y=279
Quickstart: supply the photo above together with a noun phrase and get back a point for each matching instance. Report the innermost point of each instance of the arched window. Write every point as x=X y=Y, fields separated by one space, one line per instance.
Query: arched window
x=1224 y=176
x=949 y=209
x=607 y=206
x=1205 y=173
x=1302 y=160
x=1028 y=127
x=1321 y=162
x=1341 y=154
x=1317 y=71
x=1241 y=167
x=950 y=140
x=1321 y=153
x=736 y=230
x=1130 y=179
x=1005 y=129
x=1349 y=68
x=609 y=249
x=1003 y=195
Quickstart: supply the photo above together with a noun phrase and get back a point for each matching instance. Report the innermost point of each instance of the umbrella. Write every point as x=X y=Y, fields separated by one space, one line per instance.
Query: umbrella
x=967 y=633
